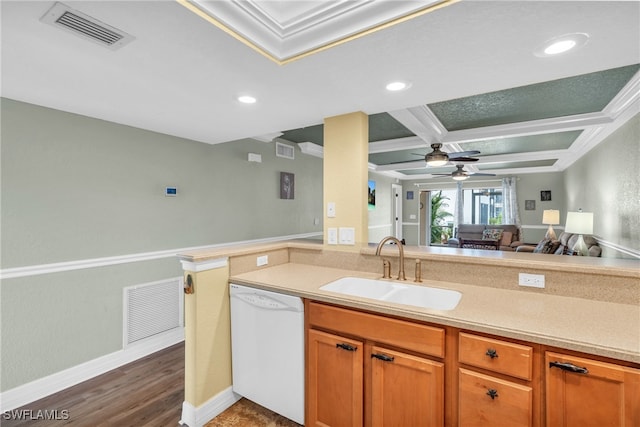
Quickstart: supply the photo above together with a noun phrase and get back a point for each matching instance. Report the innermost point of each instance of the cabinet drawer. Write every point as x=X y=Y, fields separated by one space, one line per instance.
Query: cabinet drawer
x=498 y=356
x=412 y=336
x=489 y=401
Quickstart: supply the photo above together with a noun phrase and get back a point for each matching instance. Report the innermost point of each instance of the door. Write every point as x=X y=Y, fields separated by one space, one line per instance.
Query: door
x=334 y=381
x=396 y=194
x=584 y=392
x=424 y=225
x=406 y=390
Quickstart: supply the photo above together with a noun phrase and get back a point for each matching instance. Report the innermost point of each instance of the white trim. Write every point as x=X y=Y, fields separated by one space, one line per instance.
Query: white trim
x=199 y=266
x=42 y=387
x=627 y=251
x=198 y=417
x=311 y=149
x=34 y=270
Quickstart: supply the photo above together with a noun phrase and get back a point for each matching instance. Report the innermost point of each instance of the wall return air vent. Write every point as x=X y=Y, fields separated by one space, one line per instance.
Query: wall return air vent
x=63 y=17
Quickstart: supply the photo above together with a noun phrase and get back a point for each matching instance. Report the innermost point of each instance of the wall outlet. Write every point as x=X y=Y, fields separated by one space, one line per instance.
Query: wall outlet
x=531 y=280
x=262 y=260
x=332 y=236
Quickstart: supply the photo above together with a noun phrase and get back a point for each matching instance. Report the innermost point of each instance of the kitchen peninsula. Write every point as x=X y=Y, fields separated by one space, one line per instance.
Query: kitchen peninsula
x=588 y=307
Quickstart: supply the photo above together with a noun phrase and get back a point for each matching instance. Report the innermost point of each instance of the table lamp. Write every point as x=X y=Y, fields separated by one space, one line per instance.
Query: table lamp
x=551 y=217
x=580 y=223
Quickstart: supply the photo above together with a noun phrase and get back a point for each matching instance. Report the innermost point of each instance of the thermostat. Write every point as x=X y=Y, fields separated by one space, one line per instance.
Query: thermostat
x=171 y=192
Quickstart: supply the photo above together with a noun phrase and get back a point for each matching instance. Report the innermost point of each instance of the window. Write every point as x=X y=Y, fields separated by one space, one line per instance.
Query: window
x=483 y=206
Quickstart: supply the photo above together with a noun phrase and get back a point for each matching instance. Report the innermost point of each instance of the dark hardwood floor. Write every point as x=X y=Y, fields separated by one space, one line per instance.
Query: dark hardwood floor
x=147 y=392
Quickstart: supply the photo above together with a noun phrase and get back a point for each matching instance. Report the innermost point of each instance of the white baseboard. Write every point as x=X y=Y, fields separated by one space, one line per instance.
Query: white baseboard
x=43 y=387
x=198 y=417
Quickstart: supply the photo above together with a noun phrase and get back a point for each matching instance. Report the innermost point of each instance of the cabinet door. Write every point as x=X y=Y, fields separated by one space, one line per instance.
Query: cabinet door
x=489 y=401
x=334 y=381
x=584 y=392
x=405 y=390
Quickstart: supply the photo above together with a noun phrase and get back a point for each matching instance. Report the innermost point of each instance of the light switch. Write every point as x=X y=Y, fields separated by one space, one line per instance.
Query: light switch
x=332 y=236
x=346 y=236
x=331 y=210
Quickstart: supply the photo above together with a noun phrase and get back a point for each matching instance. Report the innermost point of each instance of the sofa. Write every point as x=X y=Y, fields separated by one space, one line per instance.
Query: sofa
x=509 y=238
x=563 y=246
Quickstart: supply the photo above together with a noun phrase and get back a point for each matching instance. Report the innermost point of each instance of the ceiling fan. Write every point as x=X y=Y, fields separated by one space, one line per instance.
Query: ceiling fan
x=460 y=174
x=440 y=158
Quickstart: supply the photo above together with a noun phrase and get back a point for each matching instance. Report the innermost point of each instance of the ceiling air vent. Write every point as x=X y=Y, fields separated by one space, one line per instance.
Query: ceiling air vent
x=78 y=23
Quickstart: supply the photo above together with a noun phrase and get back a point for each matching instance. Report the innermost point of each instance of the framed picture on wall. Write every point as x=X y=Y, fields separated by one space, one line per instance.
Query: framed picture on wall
x=409 y=195
x=545 y=196
x=287 y=181
x=372 y=195
x=529 y=205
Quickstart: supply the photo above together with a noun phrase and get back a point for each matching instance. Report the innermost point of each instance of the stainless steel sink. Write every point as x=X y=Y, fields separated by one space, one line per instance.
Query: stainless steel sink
x=399 y=293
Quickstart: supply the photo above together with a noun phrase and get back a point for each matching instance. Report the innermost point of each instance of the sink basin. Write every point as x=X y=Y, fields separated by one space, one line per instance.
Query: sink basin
x=366 y=288
x=399 y=293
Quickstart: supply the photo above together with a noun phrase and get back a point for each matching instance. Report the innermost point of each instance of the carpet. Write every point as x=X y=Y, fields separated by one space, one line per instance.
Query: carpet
x=245 y=413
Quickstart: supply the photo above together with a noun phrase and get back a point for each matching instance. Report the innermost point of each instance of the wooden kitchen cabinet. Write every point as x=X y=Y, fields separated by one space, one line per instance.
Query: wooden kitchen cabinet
x=406 y=390
x=334 y=376
x=585 y=392
x=358 y=372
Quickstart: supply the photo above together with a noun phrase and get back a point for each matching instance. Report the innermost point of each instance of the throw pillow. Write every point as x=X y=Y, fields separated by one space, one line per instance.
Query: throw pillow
x=492 y=234
x=543 y=244
x=551 y=247
x=506 y=238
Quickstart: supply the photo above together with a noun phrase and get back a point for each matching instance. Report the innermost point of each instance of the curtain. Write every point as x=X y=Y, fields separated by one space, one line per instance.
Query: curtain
x=458 y=216
x=510 y=213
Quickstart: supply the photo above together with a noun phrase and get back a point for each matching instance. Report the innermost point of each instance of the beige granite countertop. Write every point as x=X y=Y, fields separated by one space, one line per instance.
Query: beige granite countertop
x=594 y=327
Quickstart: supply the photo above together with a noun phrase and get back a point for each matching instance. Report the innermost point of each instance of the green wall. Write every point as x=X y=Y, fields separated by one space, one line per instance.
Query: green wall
x=77 y=188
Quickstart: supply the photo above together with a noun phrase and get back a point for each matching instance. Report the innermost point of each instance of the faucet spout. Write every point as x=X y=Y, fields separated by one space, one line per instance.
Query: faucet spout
x=401 y=275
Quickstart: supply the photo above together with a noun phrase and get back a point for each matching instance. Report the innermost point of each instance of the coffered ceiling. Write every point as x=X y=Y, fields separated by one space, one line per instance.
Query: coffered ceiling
x=477 y=80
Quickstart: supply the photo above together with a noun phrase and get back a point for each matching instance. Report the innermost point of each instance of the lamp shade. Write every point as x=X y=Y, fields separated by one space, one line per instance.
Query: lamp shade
x=579 y=223
x=551 y=217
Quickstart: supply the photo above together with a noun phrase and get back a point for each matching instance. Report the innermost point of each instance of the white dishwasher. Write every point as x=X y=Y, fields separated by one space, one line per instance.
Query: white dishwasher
x=267 y=349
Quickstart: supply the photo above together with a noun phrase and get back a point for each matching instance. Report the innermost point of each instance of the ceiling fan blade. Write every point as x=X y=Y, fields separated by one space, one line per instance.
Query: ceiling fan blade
x=457 y=154
x=464 y=159
x=441 y=174
x=482 y=174
x=402 y=162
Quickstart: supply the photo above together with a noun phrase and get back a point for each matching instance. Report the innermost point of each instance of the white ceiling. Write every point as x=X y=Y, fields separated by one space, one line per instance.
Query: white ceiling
x=181 y=75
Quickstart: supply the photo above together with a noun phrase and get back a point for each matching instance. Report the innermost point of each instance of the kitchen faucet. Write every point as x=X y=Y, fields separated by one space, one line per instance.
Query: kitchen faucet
x=386 y=273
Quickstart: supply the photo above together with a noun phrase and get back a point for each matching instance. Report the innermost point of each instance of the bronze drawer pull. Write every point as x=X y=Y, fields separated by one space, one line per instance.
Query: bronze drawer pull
x=492 y=353
x=569 y=367
x=347 y=347
x=492 y=393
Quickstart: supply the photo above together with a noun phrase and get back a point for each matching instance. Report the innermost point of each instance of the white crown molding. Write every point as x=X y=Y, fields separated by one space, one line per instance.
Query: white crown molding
x=422 y=122
x=286 y=33
x=269 y=137
x=406 y=143
x=534 y=127
x=311 y=149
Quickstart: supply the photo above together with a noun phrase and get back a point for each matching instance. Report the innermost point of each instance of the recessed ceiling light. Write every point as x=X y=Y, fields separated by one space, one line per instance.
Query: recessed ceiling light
x=396 y=86
x=561 y=44
x=246 y=99
x=559 y=47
